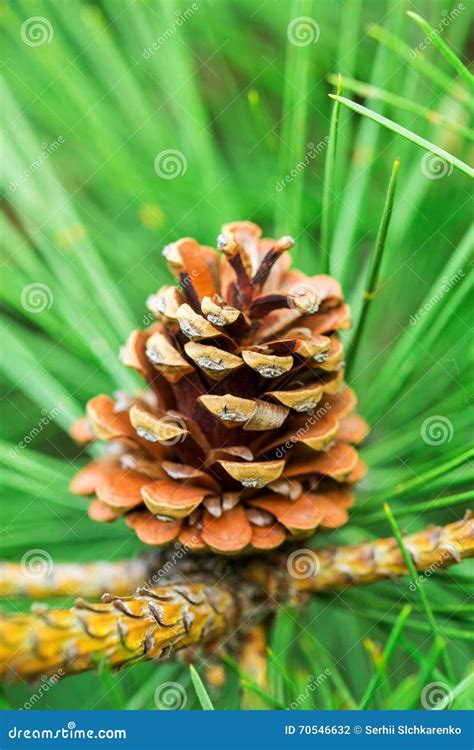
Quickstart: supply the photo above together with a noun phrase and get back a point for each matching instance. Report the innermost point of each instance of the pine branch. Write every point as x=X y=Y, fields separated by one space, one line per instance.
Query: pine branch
x=433 y=548
x=71 y=579
x=206 y=600
x=119 y=631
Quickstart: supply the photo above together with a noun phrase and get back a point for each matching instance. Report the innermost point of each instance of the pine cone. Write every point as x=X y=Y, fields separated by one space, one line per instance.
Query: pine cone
x=244 y=437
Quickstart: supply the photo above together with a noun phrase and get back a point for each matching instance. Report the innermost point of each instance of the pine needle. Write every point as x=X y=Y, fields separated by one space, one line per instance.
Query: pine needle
x=201 y=692
x=389 y=649
x=415 y=578
x=293 y=144
x=402 y=103
x=329 y=181
x=455 y=692
x=446 y=51
x=419 y=63
x=408 y=134
x=374 y=269
x=249 y=684
x=427 y=668
x=423 y=479
x=422 y=507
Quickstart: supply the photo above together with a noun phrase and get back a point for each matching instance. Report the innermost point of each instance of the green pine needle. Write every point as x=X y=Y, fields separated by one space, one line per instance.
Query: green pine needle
x=445 y=50
x=374 y=269
x=405 y=105
x=408 y=134
x=415 y=579
x=329 y=181
x=388 y=652
x=201 y=692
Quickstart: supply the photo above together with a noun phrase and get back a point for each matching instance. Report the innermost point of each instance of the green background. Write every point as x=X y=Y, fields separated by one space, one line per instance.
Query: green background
x=229 y=90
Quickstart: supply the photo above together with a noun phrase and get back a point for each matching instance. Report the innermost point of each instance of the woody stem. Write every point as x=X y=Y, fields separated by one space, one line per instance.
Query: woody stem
x=191 y=602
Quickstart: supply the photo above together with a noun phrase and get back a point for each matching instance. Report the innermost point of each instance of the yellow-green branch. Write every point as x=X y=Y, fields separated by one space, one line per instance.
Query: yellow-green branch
x=434 y=548
x=41 y=580
x=199 y=601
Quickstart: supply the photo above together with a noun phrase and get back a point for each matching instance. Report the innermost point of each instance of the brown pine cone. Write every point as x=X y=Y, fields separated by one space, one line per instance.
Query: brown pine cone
x=244 y=437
